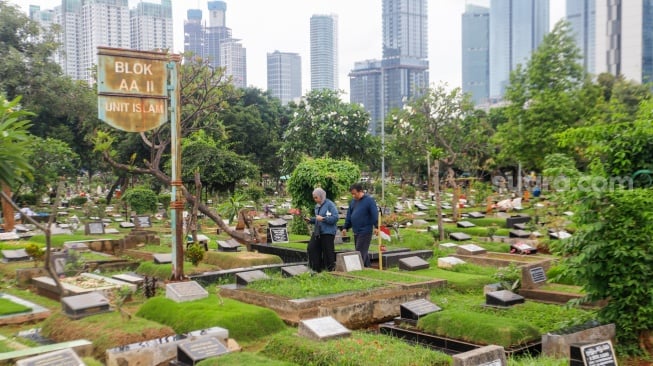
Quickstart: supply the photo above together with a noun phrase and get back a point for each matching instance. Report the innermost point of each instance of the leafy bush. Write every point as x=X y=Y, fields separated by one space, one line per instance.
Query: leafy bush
x=35 y=252
x=140 y=199
x=195 y=254
x=27 y=199
x=78 y=201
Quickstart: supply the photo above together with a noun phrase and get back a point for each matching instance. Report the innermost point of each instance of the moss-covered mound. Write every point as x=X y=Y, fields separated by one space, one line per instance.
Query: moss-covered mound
x=243 y=359
x=478 y=328
x=108 y=330
x=245 y=322
x=359 y=349
x=228 y=260
x=8 y=307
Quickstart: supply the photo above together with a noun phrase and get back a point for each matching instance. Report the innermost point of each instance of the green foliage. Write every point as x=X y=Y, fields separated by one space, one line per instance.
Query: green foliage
x=140 y=199
x=245 y=322
x=478 y=328
x=334 y=176
x=253 y=193
x=150 y=269
x=509 y=277
x=194 y=254
x=230 y=208
x=78 y=201
x=324 y=126
x=51 y=159
x=37 y=253
x=27 y=199
x=610 y=257
x=243 y=359
x=308 y=285
x=361 y=348
x=8 y=307
x=164 y=200
x=14 y=126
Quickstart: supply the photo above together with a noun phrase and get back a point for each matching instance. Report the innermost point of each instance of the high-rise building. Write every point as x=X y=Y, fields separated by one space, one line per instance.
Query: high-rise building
x=88 y=24
x=215 y=32
x=324 y=52
x=405 y=51
x=476 y=52
x=194 y=33
x=624 y=38
x=285 y=75
x=365 y=89
x=233 y=58
x=581 y=15
x=516 y=29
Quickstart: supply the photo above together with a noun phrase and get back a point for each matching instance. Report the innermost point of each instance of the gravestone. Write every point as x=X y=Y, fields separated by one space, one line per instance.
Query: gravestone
x=230 y=245
x=58 y=262
x=190 y=353
x=517 y=219
x=64 y=357
x=277 y=231
x=420 y=222
x=516 y=233
x=127 y=225
x=447 y=245
x=475 y=215
x=413 y=310
x=413 y=263
x=16 y=255
x=503 y=298
x=465 y=224
x=292 y=271
x=459 y=236
x=470 y=249
x=449 y=262
x=537 y=275
x=245 y=278
x=162 y=258
x=9 y=235
x=521 y=226
x=185 y=291
x=79 y=306
x=592 y=354
x=321 y=329
x=522 y=248
x=484 y=356
x=111 y=230
x=202 y=239
x=559 y=235
x=349 y=262
x=77 y=246
x=133 y=278
x=421 y=206
x=143 y=221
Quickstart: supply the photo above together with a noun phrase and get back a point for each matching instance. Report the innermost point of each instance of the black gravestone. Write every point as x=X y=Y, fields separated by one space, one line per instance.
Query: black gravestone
x=503 y=298
x=94 y=228
x=162 y=258
x=413 y=310
x=64 y=357
x=79 y=306
x=413 y=263
x=192 y=352
x=538 y=275
x=592 y=354
x=292 y=271
x=230 y=245
x=459 y=236
x=277 y=234
x=518 y=219
x=245 y=278
x=475 y=215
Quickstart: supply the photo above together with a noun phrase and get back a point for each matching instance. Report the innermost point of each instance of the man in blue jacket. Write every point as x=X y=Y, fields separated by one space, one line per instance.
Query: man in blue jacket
x=362 y=218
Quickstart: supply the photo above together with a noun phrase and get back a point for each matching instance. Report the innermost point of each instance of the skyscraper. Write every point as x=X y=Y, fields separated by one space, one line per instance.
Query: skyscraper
x=476 y=52
x=581 y=14
x=624 y=38
x=365 y=88
x=215 y=32
x=516 y=29
x=233 y=58
x=151 y=26
x=405 y=51
x=285 y=75
x=324 y=52
x=194 y=33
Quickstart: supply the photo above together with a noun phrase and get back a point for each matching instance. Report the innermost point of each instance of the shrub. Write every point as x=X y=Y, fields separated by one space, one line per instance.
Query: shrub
x=35 y=252
x=78 y=201
x=140 y=199
x=27 y=199
x=195 y=254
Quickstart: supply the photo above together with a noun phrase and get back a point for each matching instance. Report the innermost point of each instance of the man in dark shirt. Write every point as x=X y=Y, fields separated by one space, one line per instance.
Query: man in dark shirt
x=362 y=218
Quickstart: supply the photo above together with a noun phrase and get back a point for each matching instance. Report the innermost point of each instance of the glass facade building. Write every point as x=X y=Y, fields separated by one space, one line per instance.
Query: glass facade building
x=324 y=52
x=581 y=15
x=476 y=53
x=284 y=75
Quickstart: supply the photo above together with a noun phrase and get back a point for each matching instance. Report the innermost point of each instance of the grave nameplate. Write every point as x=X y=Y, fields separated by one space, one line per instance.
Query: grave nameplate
x=278 y=234
x=16 y=255
x=413 y=263
x=447 y=245
x=143 y=221
x=503 y=298
x=559 y=235
x=127 y=225
x=111 y=230
x=475 y=215
x=520 y=226
x=64 y=357
x=190 y=353
x=449 y=262
x=245 y=278
x=470 y=249
x=465 y=224
x=522 y=248
x=185 y=291
x=230 y=245
x=416 y=309
x=538 y=275
x=484 y=356
x=292 y=271
x=459 y=236
x=321 y=329
x=421 y=206
x=518 y=219
x=349 y=261
x=75 y=245
x=79 y=306
x=595 y=354
x=162 y=258
x=132 y=278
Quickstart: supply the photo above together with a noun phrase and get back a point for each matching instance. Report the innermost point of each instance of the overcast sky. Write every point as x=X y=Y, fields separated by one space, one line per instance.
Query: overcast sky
x=265 y=26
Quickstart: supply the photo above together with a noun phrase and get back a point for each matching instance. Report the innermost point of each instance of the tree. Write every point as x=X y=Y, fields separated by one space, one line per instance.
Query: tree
x=322 y=125
x=51 y=159
x=545 y=97
x=14 y=142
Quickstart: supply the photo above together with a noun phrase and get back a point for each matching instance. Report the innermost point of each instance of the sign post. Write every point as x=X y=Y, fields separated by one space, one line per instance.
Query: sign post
x=139 y=91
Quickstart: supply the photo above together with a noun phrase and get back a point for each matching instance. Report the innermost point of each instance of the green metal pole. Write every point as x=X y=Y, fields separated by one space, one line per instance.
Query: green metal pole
x=176 y=197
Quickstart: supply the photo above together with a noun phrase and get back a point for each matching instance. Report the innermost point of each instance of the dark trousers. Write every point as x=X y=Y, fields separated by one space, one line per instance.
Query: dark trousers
x=321 y=253
x=362 y=244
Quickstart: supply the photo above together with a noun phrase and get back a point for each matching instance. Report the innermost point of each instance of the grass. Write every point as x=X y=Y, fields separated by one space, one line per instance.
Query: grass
x=459 y=281
x=359 y=349
x=309 y=285
x=228 y=260
x=8 y=307
x=563 y=288
x=245 y=322
x=392 y=275
x=243 y=359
